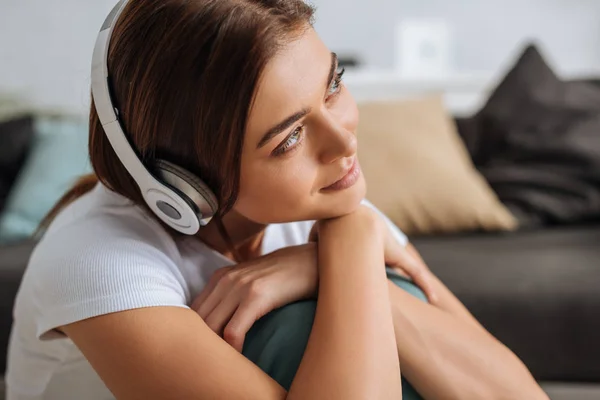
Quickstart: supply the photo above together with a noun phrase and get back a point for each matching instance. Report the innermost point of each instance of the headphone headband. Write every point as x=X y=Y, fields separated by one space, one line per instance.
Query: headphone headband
x=182 y=204
x=107 y=112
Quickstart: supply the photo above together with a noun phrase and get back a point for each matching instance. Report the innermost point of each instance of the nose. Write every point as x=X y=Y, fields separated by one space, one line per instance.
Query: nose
x=336 y=141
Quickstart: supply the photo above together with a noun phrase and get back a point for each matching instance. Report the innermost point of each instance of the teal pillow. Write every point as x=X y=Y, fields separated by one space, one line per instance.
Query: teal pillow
x=276 y=342
x=58 y=156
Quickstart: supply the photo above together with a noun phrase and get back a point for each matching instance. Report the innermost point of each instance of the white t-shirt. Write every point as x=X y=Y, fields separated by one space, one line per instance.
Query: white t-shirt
x=103 y=254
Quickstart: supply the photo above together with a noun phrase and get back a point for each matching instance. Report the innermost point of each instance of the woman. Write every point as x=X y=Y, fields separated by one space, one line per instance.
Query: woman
x=115 y=302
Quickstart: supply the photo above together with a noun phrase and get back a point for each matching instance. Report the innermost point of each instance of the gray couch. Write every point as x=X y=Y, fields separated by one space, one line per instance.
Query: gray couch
x=537 y=291
x=13 y=259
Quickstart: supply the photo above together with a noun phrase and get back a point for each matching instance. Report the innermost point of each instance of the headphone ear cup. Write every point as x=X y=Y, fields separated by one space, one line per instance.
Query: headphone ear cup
x=188 y=185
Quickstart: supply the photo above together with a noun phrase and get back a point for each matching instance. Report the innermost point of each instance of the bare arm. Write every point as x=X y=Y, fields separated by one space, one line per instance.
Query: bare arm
x=446 y=354
x=353 y=322
x=167 y=353
x=170 y=353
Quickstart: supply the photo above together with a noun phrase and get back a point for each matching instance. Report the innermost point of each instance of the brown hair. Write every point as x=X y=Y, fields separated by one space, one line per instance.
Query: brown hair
x=184 y=75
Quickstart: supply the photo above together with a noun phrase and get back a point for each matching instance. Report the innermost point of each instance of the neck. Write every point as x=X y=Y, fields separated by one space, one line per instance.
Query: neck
x=246 y=236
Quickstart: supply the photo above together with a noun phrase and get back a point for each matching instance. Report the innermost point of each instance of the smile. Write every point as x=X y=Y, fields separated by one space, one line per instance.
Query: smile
x=348 y=180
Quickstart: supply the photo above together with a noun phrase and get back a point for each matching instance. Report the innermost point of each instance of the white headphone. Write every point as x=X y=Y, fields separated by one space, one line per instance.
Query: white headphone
x=180 y=199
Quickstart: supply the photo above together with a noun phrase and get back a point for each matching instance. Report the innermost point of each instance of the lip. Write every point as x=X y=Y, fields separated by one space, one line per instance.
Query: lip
x=348 y=180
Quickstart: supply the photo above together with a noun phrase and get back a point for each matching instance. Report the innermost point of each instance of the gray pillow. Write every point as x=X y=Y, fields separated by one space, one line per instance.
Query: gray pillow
x=536 y=143
x=15 y=138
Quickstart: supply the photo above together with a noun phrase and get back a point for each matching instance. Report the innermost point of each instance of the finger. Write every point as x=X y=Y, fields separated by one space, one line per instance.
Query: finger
x=242 y=320
x=400 y=271
x=422 y=280
x=418 y=272
x=222 y=313
x=210 y=286
x=425 y=279
x=225 y=286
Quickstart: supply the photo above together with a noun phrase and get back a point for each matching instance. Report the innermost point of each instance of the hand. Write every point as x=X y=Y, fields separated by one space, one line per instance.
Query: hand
x=399 y=258
x=238 y=296
x=396 y=255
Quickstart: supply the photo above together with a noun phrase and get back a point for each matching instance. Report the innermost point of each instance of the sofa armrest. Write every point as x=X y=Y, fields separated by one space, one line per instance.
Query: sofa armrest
x=13 y=260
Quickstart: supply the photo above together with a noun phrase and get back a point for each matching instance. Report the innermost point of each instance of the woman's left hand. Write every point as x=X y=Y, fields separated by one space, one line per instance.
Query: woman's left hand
x=238 y=296
x=399 y=258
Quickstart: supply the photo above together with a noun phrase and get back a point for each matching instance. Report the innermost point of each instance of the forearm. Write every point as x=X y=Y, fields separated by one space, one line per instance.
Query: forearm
x=446 y=358
x=351 y=353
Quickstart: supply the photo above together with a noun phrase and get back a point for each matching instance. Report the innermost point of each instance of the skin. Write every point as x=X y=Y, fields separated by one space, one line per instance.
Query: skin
x=323 y=151
x=385 y=327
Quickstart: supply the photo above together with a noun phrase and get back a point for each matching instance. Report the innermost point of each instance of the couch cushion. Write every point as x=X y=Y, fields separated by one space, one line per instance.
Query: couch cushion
x=536 y=291
x=57 y=158
x=536 y=142
x=13 y=260
x=15 y=138
x=418 y=171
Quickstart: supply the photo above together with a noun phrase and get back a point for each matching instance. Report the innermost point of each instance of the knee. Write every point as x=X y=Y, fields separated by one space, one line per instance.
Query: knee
x=276 y=342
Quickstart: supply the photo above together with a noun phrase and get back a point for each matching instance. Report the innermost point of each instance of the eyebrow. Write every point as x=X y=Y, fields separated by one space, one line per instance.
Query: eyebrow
x=289 y=121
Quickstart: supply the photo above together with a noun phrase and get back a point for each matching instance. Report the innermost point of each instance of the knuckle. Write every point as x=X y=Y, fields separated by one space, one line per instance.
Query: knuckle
x=256 y=288
x=244 y=280
x=231 y=333
x=230 y=278
x=418 y=274
x=218 y=274
x=413 y=269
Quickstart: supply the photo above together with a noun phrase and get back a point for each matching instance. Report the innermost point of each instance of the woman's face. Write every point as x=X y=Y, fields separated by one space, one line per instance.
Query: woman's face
x=299 y=158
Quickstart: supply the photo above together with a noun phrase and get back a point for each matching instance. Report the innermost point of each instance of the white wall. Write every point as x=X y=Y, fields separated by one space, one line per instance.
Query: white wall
x=46 y=45
x=486 y=33
x=46 y=49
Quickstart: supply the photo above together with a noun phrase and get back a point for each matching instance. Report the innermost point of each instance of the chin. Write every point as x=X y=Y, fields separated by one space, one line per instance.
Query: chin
x=345 y=201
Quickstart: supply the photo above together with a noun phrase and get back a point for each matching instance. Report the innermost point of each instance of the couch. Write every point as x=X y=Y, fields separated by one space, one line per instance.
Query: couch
x=535 y=288
x=537 y=292
x=542 y=305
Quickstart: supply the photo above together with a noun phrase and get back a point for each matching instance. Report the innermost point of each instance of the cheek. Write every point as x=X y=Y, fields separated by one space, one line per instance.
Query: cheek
x=347 y=111
x=270 y=194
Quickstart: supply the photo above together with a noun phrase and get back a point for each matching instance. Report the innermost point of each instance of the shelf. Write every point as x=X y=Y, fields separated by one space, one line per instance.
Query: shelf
x=470 y=81
x=463 y=93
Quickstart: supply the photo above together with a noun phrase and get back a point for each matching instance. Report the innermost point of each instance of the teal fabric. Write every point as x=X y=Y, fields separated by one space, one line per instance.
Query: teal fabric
x=277 y=341
x=57 y=158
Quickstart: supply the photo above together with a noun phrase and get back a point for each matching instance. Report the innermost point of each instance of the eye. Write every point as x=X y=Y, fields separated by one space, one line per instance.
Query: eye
x=290 y=142
x=336 y=86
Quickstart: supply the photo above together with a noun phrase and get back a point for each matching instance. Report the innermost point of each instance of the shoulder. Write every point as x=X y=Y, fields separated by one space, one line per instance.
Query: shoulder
x=99 y=261
x=103 y=227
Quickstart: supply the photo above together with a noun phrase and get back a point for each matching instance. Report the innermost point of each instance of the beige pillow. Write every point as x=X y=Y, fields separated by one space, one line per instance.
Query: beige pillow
x=419 y=172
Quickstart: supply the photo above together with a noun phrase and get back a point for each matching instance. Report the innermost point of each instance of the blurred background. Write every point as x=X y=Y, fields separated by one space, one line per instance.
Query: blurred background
x=479 y=137
x=46 y=45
